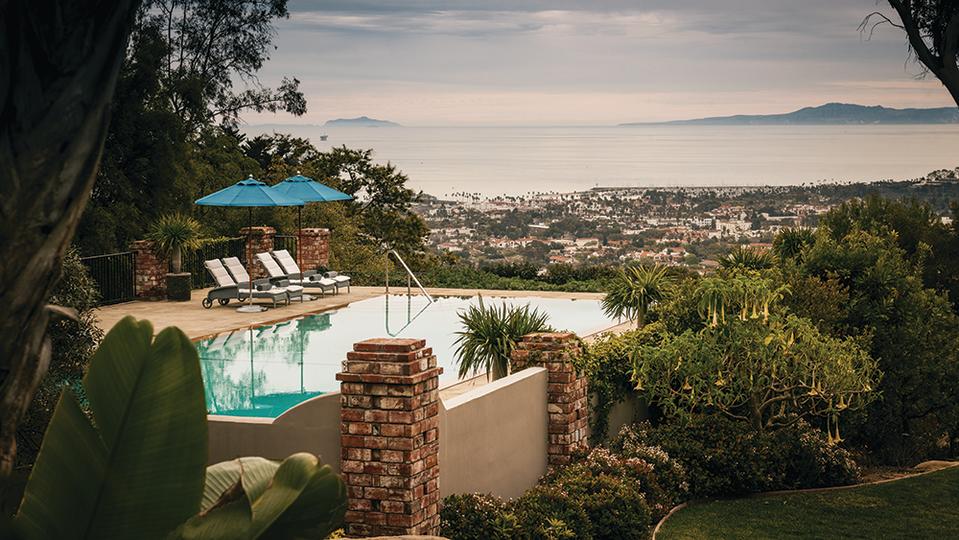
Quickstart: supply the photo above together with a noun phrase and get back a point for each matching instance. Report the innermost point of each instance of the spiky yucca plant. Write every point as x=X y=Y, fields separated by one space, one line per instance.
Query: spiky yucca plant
x=172 y=234
x=746 y=259
x=490 y=335
x=635 y=290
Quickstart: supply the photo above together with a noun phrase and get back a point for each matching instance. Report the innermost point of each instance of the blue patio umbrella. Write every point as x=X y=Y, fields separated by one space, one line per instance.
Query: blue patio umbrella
x=307 y=190
x=249 y=193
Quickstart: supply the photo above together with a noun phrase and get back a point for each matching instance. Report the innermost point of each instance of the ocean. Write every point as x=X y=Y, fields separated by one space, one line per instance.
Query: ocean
x=519 y=160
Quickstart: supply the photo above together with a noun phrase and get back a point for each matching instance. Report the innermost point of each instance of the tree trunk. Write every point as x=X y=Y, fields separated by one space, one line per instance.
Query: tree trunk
x=177 y=260
x=58 y=67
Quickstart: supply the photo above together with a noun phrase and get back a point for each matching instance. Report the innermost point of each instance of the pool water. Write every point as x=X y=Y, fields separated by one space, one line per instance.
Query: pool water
x=265 y=371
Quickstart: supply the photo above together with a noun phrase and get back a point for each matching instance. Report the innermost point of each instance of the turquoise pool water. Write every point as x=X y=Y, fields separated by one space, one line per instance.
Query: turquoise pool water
x=267 y=370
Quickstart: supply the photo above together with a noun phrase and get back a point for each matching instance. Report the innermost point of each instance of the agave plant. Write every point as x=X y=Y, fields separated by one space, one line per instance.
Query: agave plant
x=635 y=290
x=136 y=468
x=490 y=335
x=172 y=234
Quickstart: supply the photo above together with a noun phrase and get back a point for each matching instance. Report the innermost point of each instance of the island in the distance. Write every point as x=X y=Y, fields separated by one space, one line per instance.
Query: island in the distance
x=830 y=113
x=362 y=121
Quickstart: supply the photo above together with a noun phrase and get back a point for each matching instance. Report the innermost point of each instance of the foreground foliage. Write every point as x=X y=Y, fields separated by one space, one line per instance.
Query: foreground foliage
x=922 y=507
x=135 y=468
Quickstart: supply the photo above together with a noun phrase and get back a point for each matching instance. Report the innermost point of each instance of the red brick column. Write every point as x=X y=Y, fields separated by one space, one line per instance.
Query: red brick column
x=151 y=270
x=390 y=437
x=259 y=240
x=314 y=249
x=567 y=402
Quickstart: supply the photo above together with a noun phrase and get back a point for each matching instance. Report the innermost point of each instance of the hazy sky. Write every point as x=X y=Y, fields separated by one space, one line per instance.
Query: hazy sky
x=518 y=62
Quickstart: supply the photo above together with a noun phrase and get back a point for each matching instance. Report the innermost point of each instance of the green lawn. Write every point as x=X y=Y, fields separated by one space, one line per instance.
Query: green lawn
x=923 y=507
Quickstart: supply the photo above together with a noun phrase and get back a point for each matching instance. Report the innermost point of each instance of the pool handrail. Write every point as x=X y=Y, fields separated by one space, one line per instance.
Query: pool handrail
x=409 y=274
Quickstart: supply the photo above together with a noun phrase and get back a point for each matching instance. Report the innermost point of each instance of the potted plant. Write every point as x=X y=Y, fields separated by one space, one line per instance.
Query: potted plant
x=171 y=234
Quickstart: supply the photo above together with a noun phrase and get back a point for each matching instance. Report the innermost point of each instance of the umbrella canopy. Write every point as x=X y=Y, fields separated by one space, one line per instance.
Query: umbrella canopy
x=309 y=190
x=250 y=193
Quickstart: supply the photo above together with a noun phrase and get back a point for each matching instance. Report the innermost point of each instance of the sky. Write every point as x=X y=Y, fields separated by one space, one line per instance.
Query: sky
x=602 y=62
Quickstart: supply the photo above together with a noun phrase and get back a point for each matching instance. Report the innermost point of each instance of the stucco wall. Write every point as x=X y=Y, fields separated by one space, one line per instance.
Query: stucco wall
x=493 y=438
x=632 y=409
x=312 y=426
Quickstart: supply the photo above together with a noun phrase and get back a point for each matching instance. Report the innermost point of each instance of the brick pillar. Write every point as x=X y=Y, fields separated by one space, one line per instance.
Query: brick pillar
x=259 y=240
x=314 y=249
x=150 y=272
x=390 y=437
x=567 y=402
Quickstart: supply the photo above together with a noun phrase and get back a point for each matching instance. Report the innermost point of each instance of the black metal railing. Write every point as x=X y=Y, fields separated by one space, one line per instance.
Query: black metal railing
x=217 y=248
x=285 y=241
x=115 y=276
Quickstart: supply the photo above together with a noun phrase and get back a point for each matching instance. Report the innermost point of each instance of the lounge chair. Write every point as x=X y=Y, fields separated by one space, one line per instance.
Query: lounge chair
x=228 y=289
x=289 y=266
x=340 y=280
x=237 y=270
x=277 y=274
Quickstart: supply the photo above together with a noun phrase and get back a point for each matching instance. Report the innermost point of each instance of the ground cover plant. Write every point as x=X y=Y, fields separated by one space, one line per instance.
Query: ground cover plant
x=925 y=506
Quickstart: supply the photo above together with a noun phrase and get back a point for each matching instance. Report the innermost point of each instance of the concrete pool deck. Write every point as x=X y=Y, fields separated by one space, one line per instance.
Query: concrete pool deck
x=197 y=322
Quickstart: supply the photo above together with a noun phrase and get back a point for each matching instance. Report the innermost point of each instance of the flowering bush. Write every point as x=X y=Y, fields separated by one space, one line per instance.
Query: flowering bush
x=723 y=457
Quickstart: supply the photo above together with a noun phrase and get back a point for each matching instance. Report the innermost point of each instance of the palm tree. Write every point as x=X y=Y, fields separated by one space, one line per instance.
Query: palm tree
x=490 y=335
x=635 y=290
x=173 y=233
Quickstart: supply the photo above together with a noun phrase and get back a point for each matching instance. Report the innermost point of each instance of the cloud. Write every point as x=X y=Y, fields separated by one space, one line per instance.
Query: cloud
x=432 y=62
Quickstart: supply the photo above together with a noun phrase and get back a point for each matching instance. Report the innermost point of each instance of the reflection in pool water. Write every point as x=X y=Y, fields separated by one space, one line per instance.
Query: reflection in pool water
x=267 y=370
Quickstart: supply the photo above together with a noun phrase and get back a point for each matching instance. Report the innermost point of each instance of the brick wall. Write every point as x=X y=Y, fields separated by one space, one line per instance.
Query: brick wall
x=259 y=240
x=567 y=402
x=151 y=270
x=314 y=249
x=389 y=437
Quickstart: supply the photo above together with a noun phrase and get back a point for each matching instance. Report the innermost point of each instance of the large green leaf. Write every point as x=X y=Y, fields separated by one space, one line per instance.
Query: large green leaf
x=136 y=471
x=259 y=498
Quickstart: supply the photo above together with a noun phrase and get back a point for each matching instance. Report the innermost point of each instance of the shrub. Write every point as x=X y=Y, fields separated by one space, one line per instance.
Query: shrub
x=614 y=504
x=723 y=457
x=475 y=516
x=73 y=343
x=521 y=270
x=547 y=512
x=641 y=473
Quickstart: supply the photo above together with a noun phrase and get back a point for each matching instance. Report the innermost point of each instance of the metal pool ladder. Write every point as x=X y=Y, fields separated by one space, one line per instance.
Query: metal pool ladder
x=409 y=276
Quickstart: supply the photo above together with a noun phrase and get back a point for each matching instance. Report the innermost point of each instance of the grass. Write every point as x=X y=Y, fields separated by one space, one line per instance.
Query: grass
x=925 y=506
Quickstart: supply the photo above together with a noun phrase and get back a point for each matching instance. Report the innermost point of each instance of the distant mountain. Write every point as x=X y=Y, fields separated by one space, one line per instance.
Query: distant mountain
x=362 y=121
x=830 y=113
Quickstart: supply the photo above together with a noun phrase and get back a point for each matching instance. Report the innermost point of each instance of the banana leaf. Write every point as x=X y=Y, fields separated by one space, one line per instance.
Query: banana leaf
x=135 y=469
x=260 y=498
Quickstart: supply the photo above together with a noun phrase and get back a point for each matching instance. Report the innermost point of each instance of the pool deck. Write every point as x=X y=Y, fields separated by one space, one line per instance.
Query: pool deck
x=198 y=322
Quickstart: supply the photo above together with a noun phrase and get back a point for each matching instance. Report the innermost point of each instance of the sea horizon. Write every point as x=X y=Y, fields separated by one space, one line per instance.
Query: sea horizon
x=492 y=161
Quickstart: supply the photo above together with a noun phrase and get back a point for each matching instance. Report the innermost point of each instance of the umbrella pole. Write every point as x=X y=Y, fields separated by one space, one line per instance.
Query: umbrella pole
x=299 y=242
x=250 y=308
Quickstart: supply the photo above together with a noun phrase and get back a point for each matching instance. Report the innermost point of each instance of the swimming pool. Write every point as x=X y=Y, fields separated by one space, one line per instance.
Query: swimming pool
x=267 y=370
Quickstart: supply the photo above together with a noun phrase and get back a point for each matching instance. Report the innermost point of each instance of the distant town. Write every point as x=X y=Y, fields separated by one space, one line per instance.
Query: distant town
x=673 y=226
